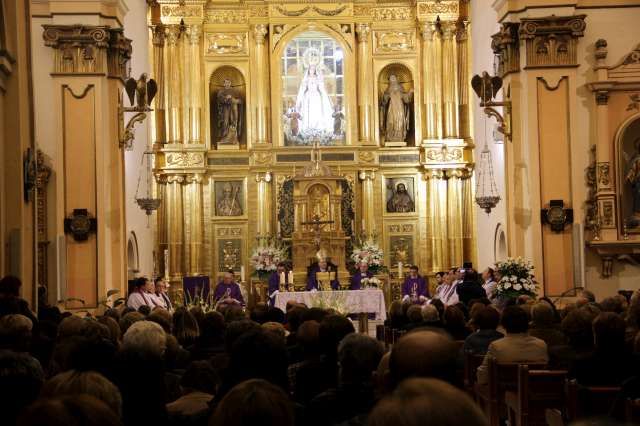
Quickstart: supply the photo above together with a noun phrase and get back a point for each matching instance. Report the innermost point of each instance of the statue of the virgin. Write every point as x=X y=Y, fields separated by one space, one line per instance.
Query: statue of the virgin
x=313 y=103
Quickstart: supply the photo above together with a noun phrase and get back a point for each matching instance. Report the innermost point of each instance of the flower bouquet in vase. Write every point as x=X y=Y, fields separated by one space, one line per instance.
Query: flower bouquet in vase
x=368 y=251
x=515 y=279
x=372 y=282
x=266 y=256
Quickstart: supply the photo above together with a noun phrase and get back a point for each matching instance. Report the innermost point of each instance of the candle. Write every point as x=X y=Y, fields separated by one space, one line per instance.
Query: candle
x=166 y=263
x=400 y=270
x=291 y=277
x=242 y=274
x=281 y=277
x=363 y=224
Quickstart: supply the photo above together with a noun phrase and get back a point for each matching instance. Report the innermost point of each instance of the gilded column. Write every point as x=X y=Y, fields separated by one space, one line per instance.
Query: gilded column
x=449 y=79
x=265 y=208
x=195 y=98
x=175 y=226
x=159 y=112
x=455 y=209
x=161 y=222
x=463 y=80
x=432 y=70
x=174 y=95
x=468 y=220
x=259 y=35
x=196 y=234
x=368 y=209
x=364 y=83
x=437 y=218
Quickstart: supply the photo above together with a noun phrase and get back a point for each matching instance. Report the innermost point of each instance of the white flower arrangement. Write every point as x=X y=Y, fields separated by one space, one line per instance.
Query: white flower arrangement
x=369 y=252
x=515 y=278
x=265 y=258
x=372 y=282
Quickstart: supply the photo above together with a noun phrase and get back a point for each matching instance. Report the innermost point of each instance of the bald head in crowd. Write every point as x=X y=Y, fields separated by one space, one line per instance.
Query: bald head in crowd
x=423 y=353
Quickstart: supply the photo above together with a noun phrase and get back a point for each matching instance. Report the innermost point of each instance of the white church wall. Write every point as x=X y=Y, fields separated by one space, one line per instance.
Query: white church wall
x=135 y=28
x=483 y=25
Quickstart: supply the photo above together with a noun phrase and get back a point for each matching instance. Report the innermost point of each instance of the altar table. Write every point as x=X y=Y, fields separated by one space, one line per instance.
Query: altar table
x=344 y=301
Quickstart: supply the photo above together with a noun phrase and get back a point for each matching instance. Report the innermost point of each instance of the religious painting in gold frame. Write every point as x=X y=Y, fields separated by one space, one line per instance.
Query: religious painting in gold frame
x=628 y=146
x=229 y=198
x=229 y=255
x=401 y=250
x=399 y=195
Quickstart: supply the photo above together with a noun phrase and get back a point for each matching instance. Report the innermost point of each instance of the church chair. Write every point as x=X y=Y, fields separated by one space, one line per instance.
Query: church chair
x=471 y=364
x=537 y=390
x=590 y=401
x=632 y=411
x=502 y=378
x=554 y=417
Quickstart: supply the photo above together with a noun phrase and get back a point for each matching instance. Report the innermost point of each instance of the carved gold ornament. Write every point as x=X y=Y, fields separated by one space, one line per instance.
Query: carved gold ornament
x=443 y=9
x=230 y=16
x=181 y=11
x=226 y=43
x=395 y=41
x=393 y=14
x=185 y=159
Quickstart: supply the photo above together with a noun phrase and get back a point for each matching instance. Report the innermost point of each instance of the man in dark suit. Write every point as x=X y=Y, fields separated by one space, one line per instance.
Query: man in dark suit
x=470 y=288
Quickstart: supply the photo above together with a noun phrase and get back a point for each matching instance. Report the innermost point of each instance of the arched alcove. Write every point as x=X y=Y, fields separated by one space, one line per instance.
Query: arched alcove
x=628 y=147
x=133 y=259
x=500 y=251
x=396 y=121
x=228 y=108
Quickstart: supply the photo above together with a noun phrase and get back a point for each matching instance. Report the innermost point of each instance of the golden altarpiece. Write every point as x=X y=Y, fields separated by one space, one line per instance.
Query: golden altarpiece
x=247 y=88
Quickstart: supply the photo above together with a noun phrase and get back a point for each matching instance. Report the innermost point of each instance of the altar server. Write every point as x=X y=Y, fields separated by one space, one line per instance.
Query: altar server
x=141 y=294
x=228 y=291
x=161 y=293
x=446 y=291
x=274 y=282
x=322 y=266
x=415 y=287
x=363 y=273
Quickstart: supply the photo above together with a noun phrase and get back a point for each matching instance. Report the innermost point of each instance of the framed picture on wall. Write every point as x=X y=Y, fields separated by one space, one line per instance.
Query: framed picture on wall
x=229 y=198
x=400 y=194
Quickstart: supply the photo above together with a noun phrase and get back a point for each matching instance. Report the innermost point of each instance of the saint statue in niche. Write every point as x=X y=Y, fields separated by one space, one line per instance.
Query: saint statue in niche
x=395 y=111
x=400 y=201
x=319 y=201
x=229 y=103
x=228 y=204
x=313 y=103
x=633 y=179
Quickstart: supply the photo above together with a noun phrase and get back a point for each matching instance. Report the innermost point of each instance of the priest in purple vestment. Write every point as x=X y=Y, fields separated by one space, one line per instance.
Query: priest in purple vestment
x=228 y=291
x=274 y=282
x=322 y=266
x=356 y=279
x=415 y=287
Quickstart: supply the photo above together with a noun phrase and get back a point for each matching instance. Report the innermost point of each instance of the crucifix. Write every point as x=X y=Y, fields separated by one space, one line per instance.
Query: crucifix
x=316 y=223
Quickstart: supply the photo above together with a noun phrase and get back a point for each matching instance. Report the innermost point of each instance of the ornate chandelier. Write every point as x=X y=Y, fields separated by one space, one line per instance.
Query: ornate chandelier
x=487 y=196
x=147 y=203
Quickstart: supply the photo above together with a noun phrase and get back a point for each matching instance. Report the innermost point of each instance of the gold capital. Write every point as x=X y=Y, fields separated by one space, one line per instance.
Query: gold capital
x=259 y=33
x=428 y=30
x=362 y=32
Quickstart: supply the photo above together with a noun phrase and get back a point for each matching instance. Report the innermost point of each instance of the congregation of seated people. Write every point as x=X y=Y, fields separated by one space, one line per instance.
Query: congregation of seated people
x=165 y=364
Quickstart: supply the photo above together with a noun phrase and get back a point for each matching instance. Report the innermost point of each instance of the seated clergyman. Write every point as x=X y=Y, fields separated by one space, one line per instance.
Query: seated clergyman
x=415 y=287
x=362 y=273
x=228 y=291
x=313 y=281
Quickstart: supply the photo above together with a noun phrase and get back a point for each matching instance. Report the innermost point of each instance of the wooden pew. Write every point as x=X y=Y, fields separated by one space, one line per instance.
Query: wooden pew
x=537 y=391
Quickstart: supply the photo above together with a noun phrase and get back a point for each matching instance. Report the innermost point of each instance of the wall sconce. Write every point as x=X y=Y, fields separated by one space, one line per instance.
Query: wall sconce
x=140 y=93
x=487 y=87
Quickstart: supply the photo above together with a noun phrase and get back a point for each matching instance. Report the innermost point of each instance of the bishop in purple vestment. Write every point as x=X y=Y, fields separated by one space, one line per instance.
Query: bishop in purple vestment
x=322 y=266
x=274 y=282
x=356 y=279
x=228 y=290
x=414 y=286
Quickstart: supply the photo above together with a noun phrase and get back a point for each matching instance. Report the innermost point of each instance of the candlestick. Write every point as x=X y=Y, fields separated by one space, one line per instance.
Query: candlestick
x=242 y=274
x=281 y=277
x=290 y=278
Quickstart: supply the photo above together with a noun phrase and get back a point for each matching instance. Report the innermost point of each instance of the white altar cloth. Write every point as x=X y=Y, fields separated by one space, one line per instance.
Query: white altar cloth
x=344 y=301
